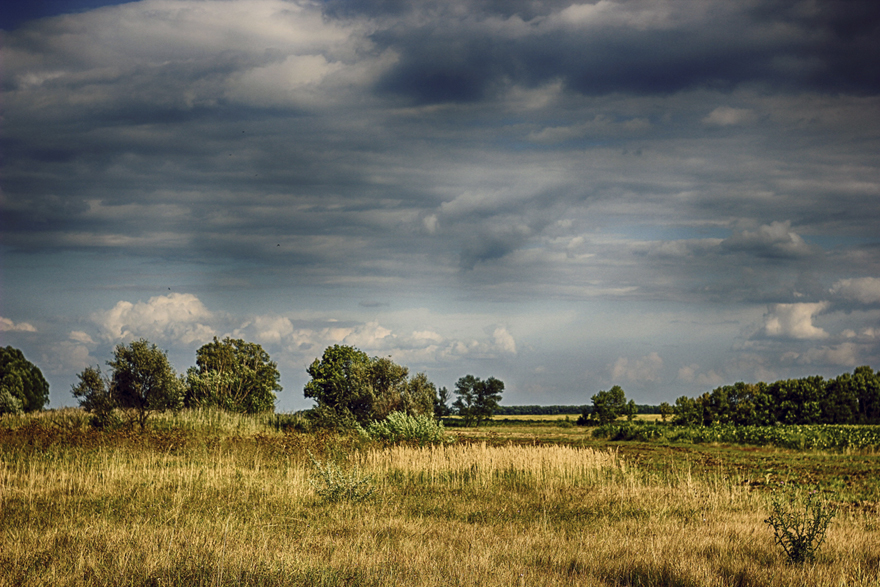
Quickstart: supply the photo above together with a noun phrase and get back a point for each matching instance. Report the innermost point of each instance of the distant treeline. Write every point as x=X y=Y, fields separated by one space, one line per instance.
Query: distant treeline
x=557 y=410
x=847 y=399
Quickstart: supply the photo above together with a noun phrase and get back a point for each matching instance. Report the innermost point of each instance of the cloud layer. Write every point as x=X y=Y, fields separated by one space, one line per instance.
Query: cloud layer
x=567 y=194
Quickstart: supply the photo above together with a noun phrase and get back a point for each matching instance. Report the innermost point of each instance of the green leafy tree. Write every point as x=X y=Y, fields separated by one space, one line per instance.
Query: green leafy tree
x=234 y=375
x=143 y=381
x=419 y=396
x=95 y=395
x=608 y=405
x=477 y=400
x=630 y=410
x=22 y=386
x=337 y=386
x=387 y=383
x=352 y=388
x=867 y=387
x=688 y=412
x=441 y=404
x=840 y=404
x=665 y=410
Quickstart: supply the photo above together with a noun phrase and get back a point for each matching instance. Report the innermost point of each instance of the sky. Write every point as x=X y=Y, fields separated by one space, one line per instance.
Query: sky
x=663 y=195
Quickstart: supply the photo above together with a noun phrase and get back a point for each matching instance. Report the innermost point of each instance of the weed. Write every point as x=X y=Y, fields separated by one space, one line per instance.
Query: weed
x=337 y=485
x=799 y=523
x=401 y=427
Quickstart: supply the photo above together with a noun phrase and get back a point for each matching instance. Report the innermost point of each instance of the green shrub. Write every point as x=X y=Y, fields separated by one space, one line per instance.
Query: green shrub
x=336 y=485
x=9 y=404
x=401 y=427
x=799 y=522
x=629 y=431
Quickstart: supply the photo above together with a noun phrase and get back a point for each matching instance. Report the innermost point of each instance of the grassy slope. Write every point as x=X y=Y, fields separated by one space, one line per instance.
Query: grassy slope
x=209 y=499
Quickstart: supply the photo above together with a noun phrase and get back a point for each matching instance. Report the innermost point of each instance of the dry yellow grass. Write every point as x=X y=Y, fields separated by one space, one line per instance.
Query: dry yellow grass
x=241 y=510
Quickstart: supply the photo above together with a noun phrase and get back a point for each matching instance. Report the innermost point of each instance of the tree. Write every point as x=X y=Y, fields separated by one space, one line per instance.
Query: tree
x=867 y=385
x=419 y=396
x=441 y=403
x=95 y=394
x=665 y=411
x=688 y=412
x=22 y=386
x=608 y=405
x=143 y=380
x=336 y=384
x=387 y=382
x=630 y=410
x=234 y=375
x=350 y=387
x=477 y=400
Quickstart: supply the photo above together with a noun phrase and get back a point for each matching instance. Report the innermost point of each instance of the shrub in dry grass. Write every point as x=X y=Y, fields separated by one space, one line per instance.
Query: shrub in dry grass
x=799 y=522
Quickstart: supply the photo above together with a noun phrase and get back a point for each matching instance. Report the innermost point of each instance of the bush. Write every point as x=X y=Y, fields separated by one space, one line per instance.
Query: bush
x=336 y=485
x=400 y=427
x=628 y=431
x=9 y=404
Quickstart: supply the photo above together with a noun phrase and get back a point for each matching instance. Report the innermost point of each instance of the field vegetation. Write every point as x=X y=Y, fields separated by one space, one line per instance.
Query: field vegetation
x=203 y=497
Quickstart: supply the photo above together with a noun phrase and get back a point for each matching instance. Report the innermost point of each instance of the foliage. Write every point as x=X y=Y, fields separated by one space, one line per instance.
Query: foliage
x=95 y=394
x=628 y=431
x=847 y=399
x=608 y=405
x=687 y=412
x=416 y=397
x=441 y=404
x=665 y=410
x=9 y=404
x=336 y=485
x=234 y=375
x=401 y=427
x=22 y=386
x=143 y=381
x=477 y=400
x=536 y=410
x=350 y=387
x=336 y=383
x=799 y=522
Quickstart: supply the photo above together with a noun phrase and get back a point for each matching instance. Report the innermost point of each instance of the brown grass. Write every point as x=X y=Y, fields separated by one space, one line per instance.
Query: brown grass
x=212 y=507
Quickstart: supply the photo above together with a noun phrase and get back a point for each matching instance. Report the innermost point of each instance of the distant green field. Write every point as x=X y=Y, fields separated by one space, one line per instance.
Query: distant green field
x=572 y=417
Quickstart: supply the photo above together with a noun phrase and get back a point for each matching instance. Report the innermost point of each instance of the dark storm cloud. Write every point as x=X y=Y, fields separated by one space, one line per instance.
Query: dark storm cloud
x=719 y=157
x=467 y=53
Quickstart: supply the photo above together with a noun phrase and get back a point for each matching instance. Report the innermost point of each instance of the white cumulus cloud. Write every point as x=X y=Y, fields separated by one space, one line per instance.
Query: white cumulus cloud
x=7 y=325
x=793 y=321
x=176 y=317
x=865 y=290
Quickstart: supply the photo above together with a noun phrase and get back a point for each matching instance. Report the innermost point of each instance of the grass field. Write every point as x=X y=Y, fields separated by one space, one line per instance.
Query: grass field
x=216 y=499
x=563 y=417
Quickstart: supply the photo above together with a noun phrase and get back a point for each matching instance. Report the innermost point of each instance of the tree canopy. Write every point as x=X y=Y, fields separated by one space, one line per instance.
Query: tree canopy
x=142 y=381
x=847 y=399
x=349 y=386
x=22 y=386
x=477 y=400
x=234 y=375
x=609 y=405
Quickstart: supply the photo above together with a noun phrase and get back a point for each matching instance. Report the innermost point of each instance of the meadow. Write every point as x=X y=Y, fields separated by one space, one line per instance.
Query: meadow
x=209 y=498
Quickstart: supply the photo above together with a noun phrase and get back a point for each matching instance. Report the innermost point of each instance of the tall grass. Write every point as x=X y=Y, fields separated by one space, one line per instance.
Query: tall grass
x=211 y=504
x=483 y=466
